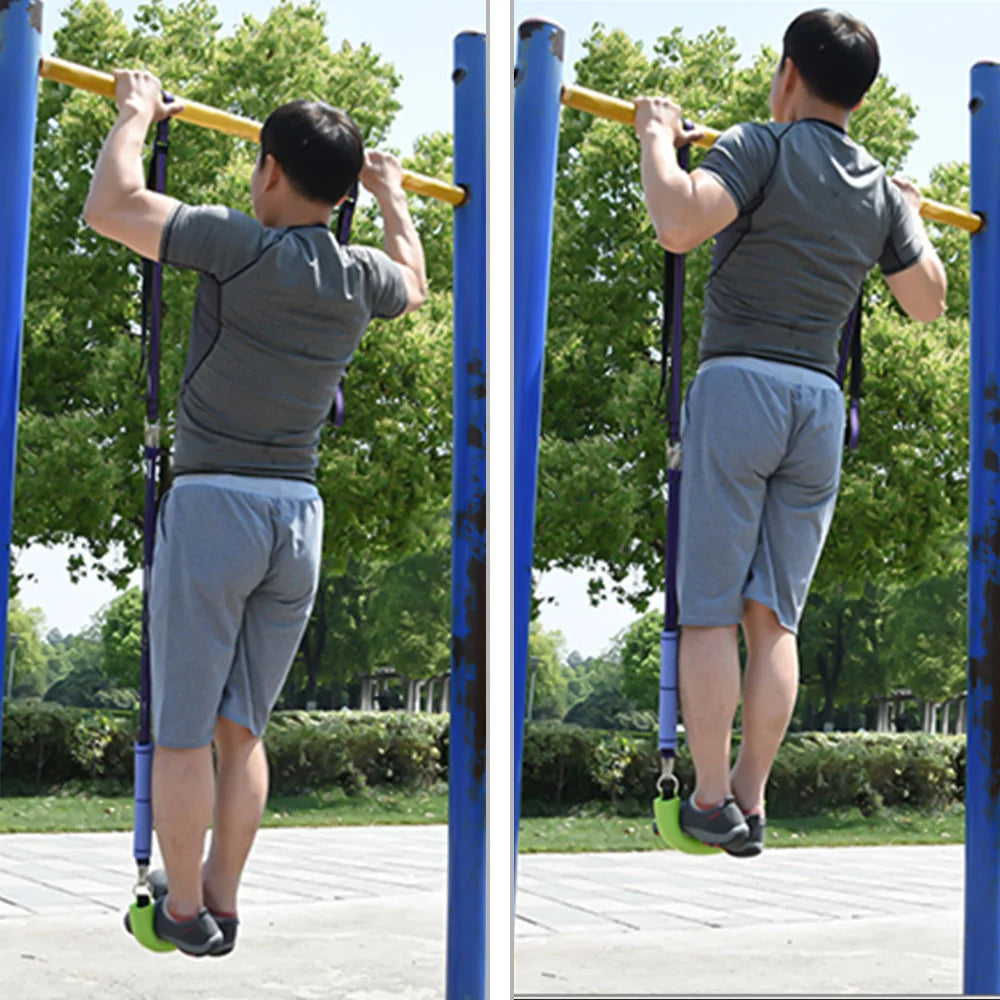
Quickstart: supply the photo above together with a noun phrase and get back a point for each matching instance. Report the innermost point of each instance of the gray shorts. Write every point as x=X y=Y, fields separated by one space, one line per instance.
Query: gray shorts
x=235 y=573
x=762 y=444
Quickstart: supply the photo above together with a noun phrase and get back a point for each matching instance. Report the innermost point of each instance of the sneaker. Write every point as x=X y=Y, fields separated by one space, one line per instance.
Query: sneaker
x=754 y=844
x=721 y=826
x=196 y=936
x=157 y=880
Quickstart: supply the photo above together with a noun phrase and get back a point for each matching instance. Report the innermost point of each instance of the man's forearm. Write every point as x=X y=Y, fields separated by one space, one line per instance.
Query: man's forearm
x=119 y=172
x=666 y=186
x=401 y=242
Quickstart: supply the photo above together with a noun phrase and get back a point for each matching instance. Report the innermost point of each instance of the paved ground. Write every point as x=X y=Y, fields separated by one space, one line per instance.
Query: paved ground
x=881 y=920
x=359 y=913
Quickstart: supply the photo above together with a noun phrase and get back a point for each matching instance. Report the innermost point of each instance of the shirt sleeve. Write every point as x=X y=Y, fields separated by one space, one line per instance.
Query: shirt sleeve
x=213 y=239
x=386 y=288
x=742 y=159
x=904 y=245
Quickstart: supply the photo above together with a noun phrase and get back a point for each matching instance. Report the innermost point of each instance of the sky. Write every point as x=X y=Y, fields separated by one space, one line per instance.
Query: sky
x=927 y=50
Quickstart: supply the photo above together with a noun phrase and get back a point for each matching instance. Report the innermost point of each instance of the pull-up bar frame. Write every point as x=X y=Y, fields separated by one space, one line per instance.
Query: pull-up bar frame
x=96 y=82
x=20 y=41
x=537 y=98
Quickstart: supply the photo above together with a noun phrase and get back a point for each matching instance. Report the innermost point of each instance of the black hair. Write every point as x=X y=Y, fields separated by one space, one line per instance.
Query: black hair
x=319 y=148
x=836 y=55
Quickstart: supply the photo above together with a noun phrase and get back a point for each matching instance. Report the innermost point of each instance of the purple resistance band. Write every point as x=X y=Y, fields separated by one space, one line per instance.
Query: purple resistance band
x=850 y=350
x=152 y=310
x=343 y=232
x=673 y=306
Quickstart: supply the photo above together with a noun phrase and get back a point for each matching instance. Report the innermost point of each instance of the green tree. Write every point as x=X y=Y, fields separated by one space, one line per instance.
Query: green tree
x=546 y=654
x=409 y=613
x=640 y=656
x=120 y=626
x=30 y=666
x=925 y=632
x=81 y=418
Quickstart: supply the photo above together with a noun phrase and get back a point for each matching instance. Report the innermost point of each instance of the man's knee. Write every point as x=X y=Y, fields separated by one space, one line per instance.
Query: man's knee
x=232 y=734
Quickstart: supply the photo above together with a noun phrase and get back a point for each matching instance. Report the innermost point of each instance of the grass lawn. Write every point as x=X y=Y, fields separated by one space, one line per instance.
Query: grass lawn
x=585 y=829
x=81 y=811
x=600 y=831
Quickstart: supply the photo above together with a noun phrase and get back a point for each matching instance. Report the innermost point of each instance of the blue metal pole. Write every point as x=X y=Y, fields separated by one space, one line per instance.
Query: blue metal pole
x=466 y=952
x=537 y=83
x=982 y=777
x=20 y=44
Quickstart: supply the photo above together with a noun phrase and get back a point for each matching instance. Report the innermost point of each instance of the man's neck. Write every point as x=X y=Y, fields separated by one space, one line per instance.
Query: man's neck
x=808 y=106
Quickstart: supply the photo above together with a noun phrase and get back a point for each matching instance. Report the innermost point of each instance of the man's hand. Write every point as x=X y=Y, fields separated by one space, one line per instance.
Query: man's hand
x=660 y=114
x=381 y=172
x=141 y=91
x=910 y=192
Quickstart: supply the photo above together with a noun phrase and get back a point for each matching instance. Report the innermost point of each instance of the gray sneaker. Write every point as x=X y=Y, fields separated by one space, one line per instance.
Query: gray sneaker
x=228 y=925
x=197 y=936
x=721 y=826
x=754 y=844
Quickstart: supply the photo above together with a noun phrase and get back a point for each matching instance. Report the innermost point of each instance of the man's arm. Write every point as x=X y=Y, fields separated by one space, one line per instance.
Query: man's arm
x=686 y=209
x=382 y=175
x=119 y=205
x=922 y=288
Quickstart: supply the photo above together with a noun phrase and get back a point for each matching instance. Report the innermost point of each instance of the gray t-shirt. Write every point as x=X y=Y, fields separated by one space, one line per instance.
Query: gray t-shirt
x=817 y=212
x=278 y=315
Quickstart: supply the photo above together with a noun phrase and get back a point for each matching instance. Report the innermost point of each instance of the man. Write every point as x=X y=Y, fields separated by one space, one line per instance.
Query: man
x=801 y=213
x=280 y=310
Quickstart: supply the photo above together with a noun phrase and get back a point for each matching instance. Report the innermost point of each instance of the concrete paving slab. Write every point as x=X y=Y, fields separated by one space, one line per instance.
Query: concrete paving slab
x=792 y=922
x=298 y=940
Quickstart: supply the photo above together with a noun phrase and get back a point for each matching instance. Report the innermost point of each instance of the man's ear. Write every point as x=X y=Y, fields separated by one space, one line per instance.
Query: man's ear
x=270 y=172
x=792 y=75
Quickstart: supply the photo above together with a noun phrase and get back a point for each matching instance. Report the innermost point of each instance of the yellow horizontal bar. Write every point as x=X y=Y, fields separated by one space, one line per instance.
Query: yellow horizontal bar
x=948 y=215
x=84 y=78
x=614 y=108
x=596 y=103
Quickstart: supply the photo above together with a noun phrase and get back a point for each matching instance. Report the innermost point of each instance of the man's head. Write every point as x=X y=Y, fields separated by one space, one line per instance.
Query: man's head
x=835 y=57
x=316 y=150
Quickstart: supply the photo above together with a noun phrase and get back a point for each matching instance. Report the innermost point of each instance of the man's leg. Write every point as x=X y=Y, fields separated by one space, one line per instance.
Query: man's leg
x=241 y=794
x=709 y=673
x=183 y=793
x=770 y=688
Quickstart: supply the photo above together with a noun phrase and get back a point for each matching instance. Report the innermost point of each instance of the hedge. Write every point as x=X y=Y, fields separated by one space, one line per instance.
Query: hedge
x=48 y=745
x=564 y=765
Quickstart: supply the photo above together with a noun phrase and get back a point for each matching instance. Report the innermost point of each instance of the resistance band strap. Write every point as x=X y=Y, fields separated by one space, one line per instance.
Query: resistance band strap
x=152 y=309
x=343 y=232
x=671 y=346
x=151 y=319
x=850 y=353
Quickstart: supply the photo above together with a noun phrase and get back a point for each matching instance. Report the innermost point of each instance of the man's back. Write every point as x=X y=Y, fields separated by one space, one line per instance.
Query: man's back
x=816 y=213
x=278 y=316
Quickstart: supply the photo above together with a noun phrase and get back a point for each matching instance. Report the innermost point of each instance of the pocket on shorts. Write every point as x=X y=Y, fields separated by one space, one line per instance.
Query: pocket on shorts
x=161 y=517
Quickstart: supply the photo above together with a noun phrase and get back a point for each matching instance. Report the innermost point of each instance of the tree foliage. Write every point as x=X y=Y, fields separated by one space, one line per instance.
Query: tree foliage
x=24 y=651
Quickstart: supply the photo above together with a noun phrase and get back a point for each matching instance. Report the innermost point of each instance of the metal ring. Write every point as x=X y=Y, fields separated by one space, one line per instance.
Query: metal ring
x=673 y=780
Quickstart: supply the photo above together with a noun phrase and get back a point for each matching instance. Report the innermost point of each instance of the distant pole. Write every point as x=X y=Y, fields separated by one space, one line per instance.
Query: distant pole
x=14 y=638
x=20 y=43
x=535 y=661
x=466 y=950
x=982 y=777
x=536 y=133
